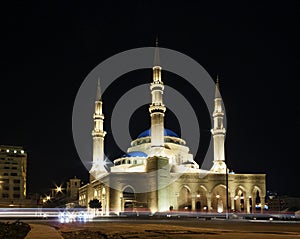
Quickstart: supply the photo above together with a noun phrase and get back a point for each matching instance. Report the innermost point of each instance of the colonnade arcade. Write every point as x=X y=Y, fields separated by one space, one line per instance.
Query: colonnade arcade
x=201 y=200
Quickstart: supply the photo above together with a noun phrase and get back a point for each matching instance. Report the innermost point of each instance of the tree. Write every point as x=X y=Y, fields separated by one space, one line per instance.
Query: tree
x=95 y=203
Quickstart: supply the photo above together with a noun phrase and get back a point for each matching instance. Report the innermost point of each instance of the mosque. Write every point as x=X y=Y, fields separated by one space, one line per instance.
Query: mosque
x=158 y=173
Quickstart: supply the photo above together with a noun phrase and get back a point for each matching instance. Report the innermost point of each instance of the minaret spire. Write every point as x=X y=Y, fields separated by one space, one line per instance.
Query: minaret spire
x=156 y=53
x=217 y=93
x=98 y=95
x=98 y=133
x=218 y=133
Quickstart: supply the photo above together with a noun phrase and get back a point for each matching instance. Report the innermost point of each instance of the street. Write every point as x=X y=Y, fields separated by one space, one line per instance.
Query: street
x=179 y=228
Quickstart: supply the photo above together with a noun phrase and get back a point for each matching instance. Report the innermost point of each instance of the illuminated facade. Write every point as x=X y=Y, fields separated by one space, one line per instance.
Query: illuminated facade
x=158 y=173
x=13 y=167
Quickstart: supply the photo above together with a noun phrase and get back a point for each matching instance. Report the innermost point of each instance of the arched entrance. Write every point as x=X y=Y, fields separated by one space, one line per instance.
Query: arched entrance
x=128 y=199
x=240 y=200
x=201 y=199
x=218 y=199
x=184 y=199
x=256 y=200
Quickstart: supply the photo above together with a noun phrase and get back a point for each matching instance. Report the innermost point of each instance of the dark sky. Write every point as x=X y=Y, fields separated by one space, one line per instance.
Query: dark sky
x=49 y=47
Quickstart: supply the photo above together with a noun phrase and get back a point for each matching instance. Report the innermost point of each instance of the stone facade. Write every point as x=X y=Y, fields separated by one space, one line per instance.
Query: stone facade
x=189 y=192
x=73 y=186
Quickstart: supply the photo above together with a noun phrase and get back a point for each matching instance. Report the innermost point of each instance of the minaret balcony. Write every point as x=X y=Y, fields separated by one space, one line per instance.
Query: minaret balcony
x=98 y=133
x=157 y=85
x=99 y=116
x=218 y=114
x=157 y=108
x=217 y=131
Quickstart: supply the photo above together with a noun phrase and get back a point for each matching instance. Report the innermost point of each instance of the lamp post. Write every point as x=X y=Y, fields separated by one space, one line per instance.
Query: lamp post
x=226 y=179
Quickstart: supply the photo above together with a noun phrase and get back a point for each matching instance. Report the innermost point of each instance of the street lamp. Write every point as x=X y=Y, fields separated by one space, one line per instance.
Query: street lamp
x=58 y=189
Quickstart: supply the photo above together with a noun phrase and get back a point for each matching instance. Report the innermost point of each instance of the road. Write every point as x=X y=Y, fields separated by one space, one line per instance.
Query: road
x=180 y=228
x=174 y=228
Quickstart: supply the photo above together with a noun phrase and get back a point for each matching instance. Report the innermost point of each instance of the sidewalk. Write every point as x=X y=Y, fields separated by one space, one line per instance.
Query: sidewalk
x=39 y=231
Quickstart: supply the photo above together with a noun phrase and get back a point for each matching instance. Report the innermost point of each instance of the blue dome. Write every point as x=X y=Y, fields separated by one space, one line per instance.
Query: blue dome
x=167 y=132
x=135 y=154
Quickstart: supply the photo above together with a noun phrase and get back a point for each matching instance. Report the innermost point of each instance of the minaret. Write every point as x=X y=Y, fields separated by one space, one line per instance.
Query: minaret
x=218 y=133
x=98 y=134
x=157 y=108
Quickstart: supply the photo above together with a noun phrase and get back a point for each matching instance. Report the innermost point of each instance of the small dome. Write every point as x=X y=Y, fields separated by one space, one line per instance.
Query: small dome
x=135 y=154
x=167 y=132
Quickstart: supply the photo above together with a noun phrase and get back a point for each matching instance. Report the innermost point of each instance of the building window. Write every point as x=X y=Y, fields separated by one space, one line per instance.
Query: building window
x=5 y=195
x=6 y=167
x=16 y=195
x=16 y=188
x=17 y=181
x=6 y=188
x=13 y=174
x=5 y=174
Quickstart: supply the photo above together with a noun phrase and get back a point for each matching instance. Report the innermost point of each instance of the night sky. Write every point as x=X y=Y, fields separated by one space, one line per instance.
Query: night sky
x=49 y=47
